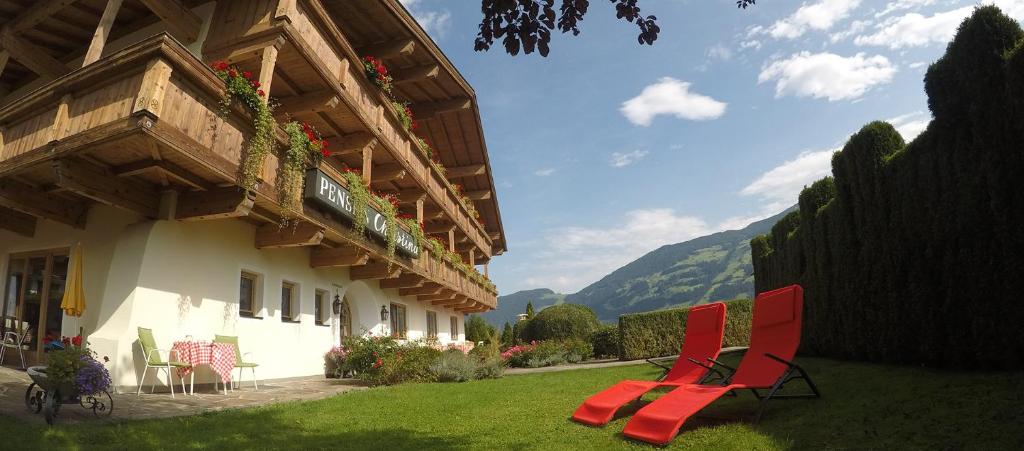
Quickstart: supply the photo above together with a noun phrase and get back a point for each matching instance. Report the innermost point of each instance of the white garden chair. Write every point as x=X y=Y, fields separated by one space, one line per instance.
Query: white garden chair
x=15 y=339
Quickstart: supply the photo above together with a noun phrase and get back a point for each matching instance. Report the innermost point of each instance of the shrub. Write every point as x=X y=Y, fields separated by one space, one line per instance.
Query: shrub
x=913 y=254
x=577 y=350
x=519 y=331
x=546 y=353
x=454 y=366
x=660 y=333
x=605 y=341
x=383 y=361
x=477 y=329
x=491 y=368
x=561 y=322
x=334 y=360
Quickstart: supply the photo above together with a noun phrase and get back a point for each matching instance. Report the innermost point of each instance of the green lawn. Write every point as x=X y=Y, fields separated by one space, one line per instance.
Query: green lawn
x=864 y=406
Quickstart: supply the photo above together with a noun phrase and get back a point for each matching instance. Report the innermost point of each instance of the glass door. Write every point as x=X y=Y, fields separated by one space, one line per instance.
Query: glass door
x=34 y=290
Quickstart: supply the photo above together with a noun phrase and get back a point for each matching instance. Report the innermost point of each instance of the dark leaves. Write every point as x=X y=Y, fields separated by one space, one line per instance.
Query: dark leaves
x=745 y=3
x=527 y=24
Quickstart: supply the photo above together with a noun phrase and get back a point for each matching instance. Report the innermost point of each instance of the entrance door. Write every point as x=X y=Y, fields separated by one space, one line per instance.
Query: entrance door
x=35 y=288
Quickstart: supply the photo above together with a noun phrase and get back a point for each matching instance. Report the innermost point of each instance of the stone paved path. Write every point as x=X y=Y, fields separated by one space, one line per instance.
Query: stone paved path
x=13 y=383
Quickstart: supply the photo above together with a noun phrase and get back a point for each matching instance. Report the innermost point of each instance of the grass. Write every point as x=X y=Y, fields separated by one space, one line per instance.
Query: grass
x=864 y=406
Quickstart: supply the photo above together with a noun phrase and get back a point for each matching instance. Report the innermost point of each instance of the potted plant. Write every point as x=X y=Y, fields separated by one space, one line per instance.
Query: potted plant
x=334 y=361
x=73 y=375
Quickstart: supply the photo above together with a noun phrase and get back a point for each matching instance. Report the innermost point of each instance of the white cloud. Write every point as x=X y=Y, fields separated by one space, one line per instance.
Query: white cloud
x=827 y=75
x=780 y=186
x=750 y=44
x=915 y=30
x=816 y=16
x=719 y=52
x=917 y=65
x=435 y=23
x=575 y=256
x=901 y=5
x=856 y=26
x=620 y=159
x=670 y=96
x=544 y=172
x=911 y=124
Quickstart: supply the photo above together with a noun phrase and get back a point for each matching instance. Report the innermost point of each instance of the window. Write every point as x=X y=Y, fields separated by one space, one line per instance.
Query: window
x=455 y=328
x=247 y=305
x=431 y=324
x=319 y=307
x=289 y=293
x=399 y=326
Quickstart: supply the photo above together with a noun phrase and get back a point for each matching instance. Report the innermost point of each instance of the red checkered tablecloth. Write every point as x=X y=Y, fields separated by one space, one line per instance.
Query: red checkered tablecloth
x=219 y=356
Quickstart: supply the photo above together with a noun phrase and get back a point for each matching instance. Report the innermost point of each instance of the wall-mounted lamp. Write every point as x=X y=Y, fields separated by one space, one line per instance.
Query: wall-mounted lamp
x=384 y=313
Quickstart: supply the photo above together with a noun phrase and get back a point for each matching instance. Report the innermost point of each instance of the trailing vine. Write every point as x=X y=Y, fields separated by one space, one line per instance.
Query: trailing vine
x=241 y=87
x=304 y=144
x=404 y=114
x=388 y=204
x=360 y=198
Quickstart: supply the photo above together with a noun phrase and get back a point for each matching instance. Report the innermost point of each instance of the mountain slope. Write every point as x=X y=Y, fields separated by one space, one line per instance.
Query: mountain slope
x=709 y=268
x=513 y=304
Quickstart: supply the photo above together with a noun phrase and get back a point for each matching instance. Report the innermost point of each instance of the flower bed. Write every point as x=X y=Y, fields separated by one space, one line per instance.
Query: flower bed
x=538 y=354
x=382 y=360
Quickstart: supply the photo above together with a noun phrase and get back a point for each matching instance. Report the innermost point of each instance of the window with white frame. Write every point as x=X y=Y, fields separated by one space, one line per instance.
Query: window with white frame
x=321 y=307
x=399 y=323
x=455 y=328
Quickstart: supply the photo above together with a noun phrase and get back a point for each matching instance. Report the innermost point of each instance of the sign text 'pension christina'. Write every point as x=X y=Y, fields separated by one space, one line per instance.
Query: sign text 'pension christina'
x=327 y=192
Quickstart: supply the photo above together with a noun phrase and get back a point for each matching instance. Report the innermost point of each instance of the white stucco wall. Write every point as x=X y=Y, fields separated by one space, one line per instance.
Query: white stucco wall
x=181 y=278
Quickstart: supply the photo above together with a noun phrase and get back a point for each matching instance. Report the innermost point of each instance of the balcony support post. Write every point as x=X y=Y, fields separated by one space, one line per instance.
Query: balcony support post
x=99 y=38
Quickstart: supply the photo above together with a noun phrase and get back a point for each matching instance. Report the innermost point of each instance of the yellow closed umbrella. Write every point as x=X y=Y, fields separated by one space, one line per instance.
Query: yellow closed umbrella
x=73 y=303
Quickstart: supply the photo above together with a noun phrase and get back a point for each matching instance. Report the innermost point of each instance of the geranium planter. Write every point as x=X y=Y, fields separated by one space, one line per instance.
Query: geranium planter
x=44 y=396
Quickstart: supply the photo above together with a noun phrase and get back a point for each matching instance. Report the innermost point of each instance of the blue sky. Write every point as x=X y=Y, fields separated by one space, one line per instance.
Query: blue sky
x=607 y=150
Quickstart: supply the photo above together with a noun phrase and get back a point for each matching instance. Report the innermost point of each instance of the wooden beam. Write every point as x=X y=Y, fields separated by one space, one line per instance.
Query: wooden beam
x=100 y=185
x=99 y=37
x=268 y=60
x=465 y=171
x=154 y=85
x=272 y=236
x=35 y=14
x=415 y=73
x=339 y=256
x=180 y=20
x=17 y=222
x=381 y=270
x=165 y=167
x=419 y=210
x=428 y=288
x=455 y=300
x=423 y=110
x=406 y=196
x=29 y=200
x=434 y=228
x=389 y=49
x=403 y=281
x=494 y=236
x=310 y=102
x=59 y=127
x=357 y=142
x=34 y=58
x=480 y=194
x=229 y=202
x=368 y=165
x=388 y=172
x=5 y=56
x=445 y=295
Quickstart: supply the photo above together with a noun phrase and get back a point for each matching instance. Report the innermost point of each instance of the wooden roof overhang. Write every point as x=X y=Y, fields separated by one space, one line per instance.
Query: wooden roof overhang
x=144 y=125
x=316 y=65
x=442 y=101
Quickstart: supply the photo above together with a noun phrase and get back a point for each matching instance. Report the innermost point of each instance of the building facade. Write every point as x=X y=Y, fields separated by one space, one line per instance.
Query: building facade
x=116 y=137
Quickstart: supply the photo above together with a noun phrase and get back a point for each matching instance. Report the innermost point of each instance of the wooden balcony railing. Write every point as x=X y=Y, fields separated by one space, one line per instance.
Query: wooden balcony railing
x=155 y=105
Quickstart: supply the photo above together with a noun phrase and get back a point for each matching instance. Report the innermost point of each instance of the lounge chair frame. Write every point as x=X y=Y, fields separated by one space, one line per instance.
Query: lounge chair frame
x=793 y=372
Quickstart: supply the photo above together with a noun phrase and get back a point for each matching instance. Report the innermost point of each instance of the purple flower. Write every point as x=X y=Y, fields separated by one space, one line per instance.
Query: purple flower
x=92 y=376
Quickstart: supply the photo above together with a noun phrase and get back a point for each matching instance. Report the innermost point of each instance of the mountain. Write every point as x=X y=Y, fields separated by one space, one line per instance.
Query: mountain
x=709 y=268
x=513 y=304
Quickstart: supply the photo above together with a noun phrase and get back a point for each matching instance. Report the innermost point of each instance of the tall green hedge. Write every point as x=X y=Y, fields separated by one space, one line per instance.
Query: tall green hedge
x=660 y=333
x=913 y=252
x=562 y=321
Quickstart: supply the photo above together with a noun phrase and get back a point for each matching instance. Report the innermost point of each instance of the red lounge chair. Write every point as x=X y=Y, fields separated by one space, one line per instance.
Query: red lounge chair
x=703 y=340
x=767 y=365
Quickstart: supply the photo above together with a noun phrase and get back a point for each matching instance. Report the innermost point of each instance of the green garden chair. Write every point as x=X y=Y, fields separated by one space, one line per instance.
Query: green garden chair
x=240 y=362
x=155 y=361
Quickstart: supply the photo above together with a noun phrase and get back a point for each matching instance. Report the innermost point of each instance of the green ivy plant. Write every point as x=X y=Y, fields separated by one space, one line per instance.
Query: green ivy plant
x=304 y=145
x=360 y=198
x=241 y=87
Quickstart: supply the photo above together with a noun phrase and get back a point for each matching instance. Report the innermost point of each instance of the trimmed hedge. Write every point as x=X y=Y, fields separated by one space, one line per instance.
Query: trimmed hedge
x=913 y=252
x=562 y=321
x=606 y=342
x=660 y=333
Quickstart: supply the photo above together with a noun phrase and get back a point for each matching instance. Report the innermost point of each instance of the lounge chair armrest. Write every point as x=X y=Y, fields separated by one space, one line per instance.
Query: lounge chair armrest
x=781 y=360
x=716 y=362
x=652 y=362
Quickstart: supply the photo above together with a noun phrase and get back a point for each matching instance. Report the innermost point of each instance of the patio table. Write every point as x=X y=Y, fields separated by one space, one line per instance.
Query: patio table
x=218 y=356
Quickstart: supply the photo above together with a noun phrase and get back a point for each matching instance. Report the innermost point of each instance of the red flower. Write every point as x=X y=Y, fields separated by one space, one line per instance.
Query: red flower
x=378 y=363
x=323 y=144
x=76 y=340
x=247 y=74
x=325 y=152
x=232 y=73
x=255 y=84
x=220 y=65
x=260 y=92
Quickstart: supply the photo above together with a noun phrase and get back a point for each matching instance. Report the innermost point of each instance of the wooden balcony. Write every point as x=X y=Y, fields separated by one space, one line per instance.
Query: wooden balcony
x=318 y=77
x=142 y=130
